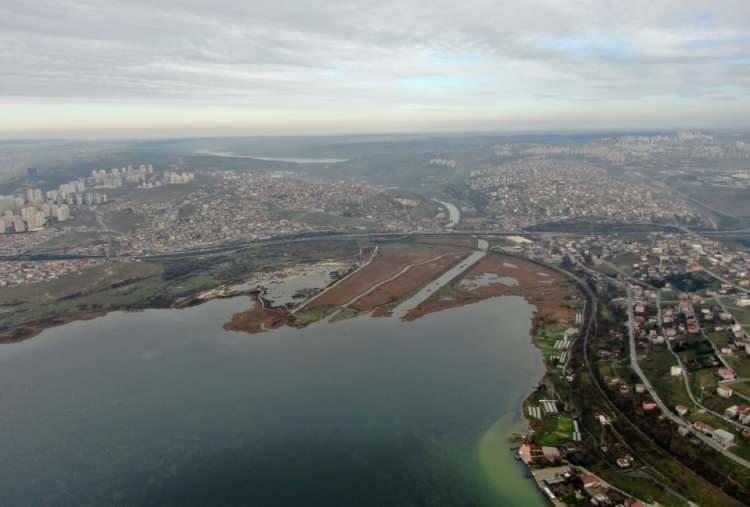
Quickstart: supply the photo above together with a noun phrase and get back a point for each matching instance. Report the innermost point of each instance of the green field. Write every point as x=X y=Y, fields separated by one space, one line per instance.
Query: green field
x=656 y=364
x=720 y=338
x=131 y=286
x=638 y=486
x=547 y=338
x=741 y=314
x=555 y=431
x=625 y=262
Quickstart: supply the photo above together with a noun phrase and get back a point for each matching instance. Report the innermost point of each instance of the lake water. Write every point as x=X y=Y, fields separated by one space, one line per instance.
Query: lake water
x=291 y=160
x=164 y=407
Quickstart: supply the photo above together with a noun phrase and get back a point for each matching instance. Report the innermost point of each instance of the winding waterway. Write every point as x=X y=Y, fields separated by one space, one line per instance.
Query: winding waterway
x=164 y=407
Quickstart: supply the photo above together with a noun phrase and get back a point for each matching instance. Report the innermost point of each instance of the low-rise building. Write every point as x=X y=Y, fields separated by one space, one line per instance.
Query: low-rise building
x=724 y=392
x=723 y=438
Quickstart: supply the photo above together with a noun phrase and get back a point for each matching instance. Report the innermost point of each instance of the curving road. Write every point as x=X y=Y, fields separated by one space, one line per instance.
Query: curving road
x=454 y=214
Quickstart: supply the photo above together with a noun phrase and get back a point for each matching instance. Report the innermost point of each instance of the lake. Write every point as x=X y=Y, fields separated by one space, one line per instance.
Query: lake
x=291 y=160
x=164 y=407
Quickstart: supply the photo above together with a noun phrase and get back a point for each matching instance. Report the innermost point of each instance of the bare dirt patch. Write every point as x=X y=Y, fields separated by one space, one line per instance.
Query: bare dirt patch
x=391 y=260
x=395 y=290
x=258 y=319
x=544 y=288
x=386 y=264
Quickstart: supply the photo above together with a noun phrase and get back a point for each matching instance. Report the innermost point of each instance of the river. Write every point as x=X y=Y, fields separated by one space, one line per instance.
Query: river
x=164 y=407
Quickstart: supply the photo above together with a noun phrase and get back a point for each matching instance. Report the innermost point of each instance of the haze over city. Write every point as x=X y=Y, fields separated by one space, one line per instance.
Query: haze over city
x=104 y=68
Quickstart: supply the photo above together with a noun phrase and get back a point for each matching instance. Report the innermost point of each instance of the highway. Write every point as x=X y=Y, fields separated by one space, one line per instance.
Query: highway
x=454 y=213
x=237 y=246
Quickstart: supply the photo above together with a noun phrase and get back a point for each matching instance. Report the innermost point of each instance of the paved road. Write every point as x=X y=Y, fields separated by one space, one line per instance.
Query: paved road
x=686 y=378
x=238 y=246
x=454 y=213
x=724 y=280
x=650 y=388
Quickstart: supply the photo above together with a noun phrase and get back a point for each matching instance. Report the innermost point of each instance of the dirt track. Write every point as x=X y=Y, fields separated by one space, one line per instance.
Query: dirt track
x=545 y=289
x=388 y=263
x=391 y=260
x=407 y=283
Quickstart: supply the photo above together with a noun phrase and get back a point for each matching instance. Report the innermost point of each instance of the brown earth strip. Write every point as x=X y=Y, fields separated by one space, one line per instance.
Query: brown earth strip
x=407 y=283
x=258 y=319
x=545 y=289
x=384 y=266
x=391 y=260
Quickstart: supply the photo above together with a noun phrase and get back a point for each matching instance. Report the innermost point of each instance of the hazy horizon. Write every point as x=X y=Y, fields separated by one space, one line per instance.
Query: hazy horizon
x=98 y=69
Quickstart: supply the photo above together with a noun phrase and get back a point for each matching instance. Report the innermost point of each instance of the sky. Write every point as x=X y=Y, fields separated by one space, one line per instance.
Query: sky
x=194 y=67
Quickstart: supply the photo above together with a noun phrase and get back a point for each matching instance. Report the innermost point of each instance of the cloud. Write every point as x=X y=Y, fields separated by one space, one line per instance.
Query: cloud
x=367 y=54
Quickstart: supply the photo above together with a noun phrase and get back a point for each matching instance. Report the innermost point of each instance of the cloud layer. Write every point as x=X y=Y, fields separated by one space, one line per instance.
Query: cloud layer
x=479 y=59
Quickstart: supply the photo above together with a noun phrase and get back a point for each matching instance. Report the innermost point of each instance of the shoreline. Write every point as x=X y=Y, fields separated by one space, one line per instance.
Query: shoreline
x=25 y=332
x=263 y=317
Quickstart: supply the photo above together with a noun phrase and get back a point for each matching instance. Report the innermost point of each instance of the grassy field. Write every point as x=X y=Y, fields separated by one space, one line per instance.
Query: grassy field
x=625 y=261
x=668 y=295
x=656 y=364
x=90 y=280
x=306 y=317
x=742 y=388
x=123 y=221
x=703 y=381
x=720 y=338
x=742 y=314
x=606 y=314
x=345 y=314
x=547 y=338
x=641 y=487
x=555 y=431
x=741 y=365
x=130 y=286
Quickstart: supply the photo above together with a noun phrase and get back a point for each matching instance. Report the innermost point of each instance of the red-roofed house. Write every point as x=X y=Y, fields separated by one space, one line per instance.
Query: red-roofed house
x=648 y=406
x=589 y=481
x=703 y=427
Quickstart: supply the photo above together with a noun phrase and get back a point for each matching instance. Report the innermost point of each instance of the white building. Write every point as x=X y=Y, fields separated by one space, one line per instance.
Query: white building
x=724 y=392
x=723 y=437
